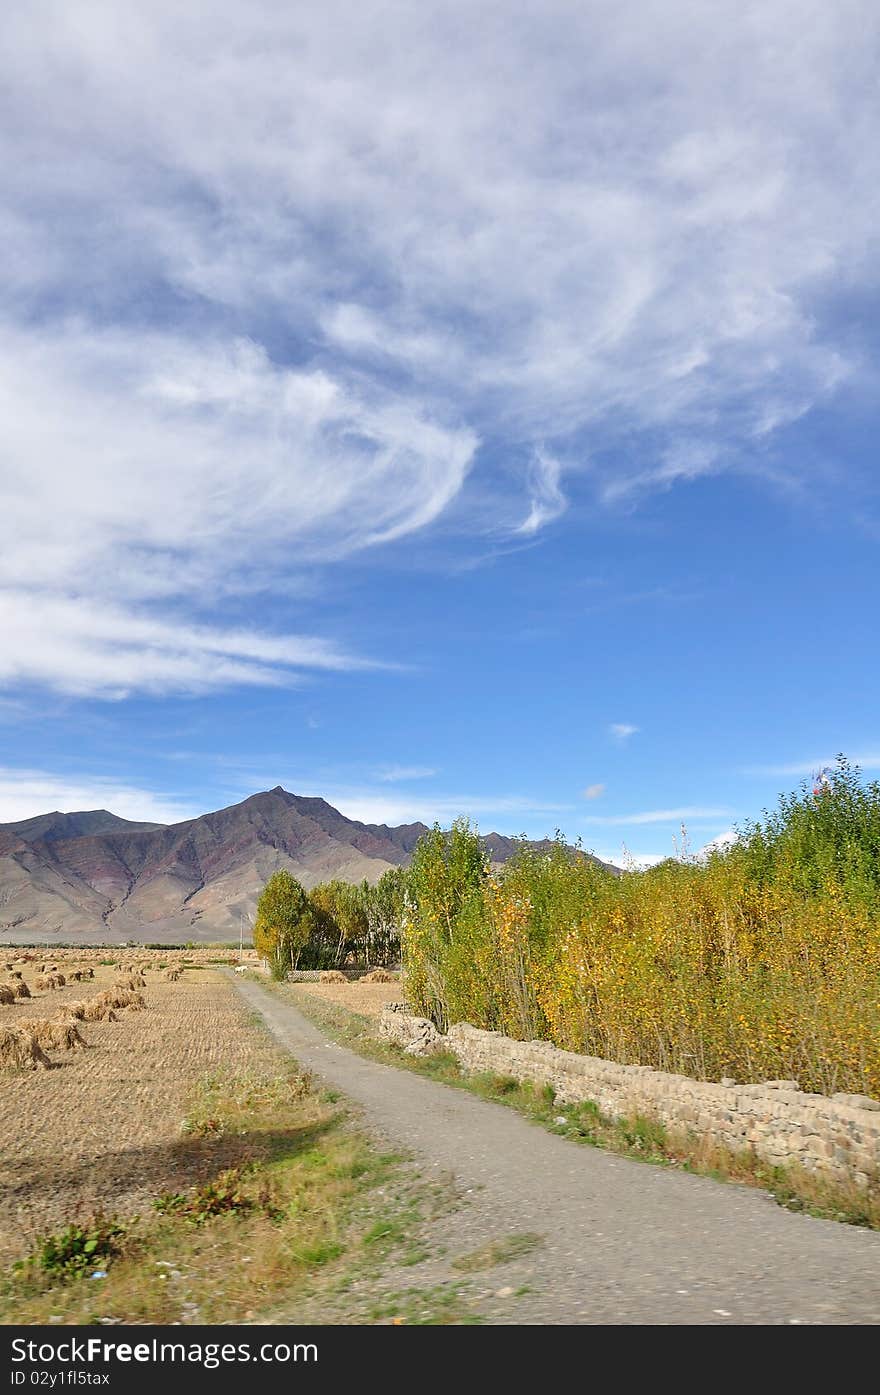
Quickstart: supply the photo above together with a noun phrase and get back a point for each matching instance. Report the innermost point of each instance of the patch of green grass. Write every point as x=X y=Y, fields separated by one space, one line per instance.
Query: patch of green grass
x=502 y=1251
x=442 y=1305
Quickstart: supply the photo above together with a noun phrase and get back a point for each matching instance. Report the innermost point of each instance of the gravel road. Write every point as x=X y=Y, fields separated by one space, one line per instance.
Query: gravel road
x=621 y=1241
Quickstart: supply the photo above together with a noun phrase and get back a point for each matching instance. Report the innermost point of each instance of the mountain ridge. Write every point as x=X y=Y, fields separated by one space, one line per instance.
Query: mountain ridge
x=94 y=876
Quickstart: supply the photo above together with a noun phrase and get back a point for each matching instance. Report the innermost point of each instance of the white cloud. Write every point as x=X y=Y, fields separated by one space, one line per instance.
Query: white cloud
x=89 y=648
x=719 y=844
x=622 y=731
x=262 y=304
x=406 y=772
x=594 y=791
x=547 y=500
x=149 y=469
x=689 y=813
x=24 y=793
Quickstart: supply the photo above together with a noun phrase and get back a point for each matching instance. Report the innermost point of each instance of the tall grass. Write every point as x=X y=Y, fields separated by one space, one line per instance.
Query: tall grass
x=761 y=961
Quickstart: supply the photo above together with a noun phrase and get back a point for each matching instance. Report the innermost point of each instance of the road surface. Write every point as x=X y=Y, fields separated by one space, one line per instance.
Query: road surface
x=621 y=1241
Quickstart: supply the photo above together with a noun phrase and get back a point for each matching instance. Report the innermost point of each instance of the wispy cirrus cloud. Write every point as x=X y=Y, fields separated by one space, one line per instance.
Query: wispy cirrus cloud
x=90 y=648
x=395 y=773
x=262 y=308
x=594 y=791
x=166 y=469
x=546 y=499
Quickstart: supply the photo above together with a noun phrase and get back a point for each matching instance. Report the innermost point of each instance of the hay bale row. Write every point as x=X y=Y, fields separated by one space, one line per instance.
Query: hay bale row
x=104 y=1006
x=20 y=1050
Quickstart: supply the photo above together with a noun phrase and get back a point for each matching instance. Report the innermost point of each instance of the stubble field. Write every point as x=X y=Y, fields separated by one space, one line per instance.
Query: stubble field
x=102 y=1129
x=368 y=999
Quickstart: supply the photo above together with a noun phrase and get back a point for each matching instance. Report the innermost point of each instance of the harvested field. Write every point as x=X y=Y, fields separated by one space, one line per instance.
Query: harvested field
x=102 y=1129
x=366 y=998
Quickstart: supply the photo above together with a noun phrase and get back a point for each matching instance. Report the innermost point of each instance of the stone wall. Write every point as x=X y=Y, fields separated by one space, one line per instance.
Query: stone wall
x=838 y=1136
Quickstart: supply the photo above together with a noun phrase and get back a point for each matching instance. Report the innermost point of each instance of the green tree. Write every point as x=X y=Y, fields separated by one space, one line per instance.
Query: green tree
x=444 y=895
x=281 y=927
x=385 y=906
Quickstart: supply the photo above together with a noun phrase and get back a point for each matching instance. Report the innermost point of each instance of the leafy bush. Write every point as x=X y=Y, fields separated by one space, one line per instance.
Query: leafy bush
x=219 y=1197
x=79 y=1249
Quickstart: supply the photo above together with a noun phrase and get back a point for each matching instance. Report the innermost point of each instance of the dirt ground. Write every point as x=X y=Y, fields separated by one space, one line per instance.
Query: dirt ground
x=102 y=1129
x=365 y=998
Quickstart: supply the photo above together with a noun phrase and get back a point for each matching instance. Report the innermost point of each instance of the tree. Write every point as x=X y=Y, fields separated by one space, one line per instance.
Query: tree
x=281 y=928
x=341 y=922
x=445 y=886
x=385 y=907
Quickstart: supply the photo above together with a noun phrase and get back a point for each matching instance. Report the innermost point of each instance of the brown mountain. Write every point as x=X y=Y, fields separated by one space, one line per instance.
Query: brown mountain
x=94 y=877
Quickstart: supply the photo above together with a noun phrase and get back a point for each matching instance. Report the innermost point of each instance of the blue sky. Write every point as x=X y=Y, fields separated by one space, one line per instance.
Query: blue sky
x=443 y=409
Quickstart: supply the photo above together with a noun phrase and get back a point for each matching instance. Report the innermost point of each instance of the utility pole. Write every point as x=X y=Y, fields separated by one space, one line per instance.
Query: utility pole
x=241 y=937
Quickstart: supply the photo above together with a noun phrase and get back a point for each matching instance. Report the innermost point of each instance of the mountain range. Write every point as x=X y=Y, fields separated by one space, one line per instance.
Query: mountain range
x=93 y=877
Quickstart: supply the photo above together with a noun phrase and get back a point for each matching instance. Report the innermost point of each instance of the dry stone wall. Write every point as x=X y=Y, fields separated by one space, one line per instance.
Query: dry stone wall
x=838 y=1136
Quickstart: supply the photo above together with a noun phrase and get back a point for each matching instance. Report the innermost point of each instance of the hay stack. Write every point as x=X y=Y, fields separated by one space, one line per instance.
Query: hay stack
x=47 y=982
x=57 y=1034
x=20 y=988
x=96 y=1010
x=7 y=995
x=20 y=1050
x=130 y=981
x=172 y=975
x=378 y=976
x=122 y=998
x=332 y=976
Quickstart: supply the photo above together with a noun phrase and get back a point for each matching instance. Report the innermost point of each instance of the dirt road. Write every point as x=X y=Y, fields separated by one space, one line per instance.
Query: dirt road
x=620 y=1241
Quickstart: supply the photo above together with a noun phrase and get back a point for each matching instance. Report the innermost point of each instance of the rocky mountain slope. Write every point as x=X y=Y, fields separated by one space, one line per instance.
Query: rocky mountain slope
x=95 y=877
